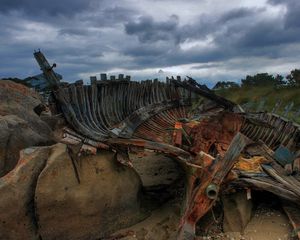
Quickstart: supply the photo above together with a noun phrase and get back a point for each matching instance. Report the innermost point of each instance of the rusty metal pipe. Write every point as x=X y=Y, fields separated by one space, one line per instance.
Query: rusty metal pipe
x=212 y=191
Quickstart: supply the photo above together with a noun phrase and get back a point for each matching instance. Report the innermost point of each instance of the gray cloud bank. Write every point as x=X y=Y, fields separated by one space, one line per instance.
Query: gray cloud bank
x=210 y=40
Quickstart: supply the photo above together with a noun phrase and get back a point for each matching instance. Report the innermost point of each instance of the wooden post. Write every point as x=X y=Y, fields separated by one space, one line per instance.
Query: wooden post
x=103 y=77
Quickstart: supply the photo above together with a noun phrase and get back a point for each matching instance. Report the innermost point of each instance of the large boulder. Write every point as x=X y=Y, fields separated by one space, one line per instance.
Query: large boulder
x=20 y=126
x=105 y=200
x=17 y=188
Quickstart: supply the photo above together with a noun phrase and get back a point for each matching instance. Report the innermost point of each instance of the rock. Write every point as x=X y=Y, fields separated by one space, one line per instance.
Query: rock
x=17 y=99
x=237 y=211
x=20 y=126
x=162 y=178
x=17 y=218
x=105 y=200
x=156 y=169
x=17 y=134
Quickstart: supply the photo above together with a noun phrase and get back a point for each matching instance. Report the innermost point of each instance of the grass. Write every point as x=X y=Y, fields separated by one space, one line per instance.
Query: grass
x=252 y=97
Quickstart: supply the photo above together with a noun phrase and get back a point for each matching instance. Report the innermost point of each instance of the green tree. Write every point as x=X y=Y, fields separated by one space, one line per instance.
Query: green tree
x=294 y=78
x=223 y=84
x=262 y=79
x=279 y=80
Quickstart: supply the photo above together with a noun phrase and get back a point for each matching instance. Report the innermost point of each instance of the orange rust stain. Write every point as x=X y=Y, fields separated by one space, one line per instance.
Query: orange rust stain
x=215 y=132
x=250 y=165
x=203 y=159
x=177 y=134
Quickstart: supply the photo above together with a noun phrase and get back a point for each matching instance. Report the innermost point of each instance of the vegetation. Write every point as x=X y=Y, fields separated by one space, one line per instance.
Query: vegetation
x=262 y=79
x=266 y=91
x=222 y=85
x=294 y=78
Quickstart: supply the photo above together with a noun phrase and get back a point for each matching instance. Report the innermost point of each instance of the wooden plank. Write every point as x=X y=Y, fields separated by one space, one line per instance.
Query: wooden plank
x=266 y=184
x=278 y=172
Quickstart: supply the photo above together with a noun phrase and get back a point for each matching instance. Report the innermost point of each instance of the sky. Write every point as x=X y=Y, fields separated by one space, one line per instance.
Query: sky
x=209 y=40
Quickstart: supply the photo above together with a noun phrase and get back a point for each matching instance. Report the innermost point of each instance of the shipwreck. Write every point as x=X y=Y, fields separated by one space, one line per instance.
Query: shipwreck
x=218 y=145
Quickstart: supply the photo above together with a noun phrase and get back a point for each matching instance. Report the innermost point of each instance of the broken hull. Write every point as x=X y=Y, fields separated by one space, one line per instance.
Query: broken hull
x=205 y=133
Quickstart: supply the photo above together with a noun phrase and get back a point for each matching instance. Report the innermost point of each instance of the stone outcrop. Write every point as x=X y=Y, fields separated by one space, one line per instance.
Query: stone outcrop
x=41 y=197
x=17 y=220
x=105 y=200
x=20 y=126
x=237 y=211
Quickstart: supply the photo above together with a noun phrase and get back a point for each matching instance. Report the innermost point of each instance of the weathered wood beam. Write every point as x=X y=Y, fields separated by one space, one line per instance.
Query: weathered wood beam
x=266 y=184
x=127 y=127
x=205 y=93
x=170 y=150
x=278 y=172
x=205 y=186
x=47 y=70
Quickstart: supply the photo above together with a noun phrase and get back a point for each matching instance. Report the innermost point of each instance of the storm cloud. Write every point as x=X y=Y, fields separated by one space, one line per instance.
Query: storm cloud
x=209 y=40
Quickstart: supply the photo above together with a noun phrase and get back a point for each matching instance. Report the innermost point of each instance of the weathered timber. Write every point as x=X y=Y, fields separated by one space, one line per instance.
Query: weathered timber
x=266 y=184
x=278 y=172
x=272 y=129
x=128 y=126
x=170 y=150
x=47 y=70
x=190 y=85
x=200 y=198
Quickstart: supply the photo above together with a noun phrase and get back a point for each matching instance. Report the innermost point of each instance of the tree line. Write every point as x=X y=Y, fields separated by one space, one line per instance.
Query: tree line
x=263 y=79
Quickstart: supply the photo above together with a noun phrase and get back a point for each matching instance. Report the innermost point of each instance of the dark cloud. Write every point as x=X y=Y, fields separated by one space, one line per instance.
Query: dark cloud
x=105 y=16
x=292 y=12
x=292 y=16
x=237 y=14
x=73 y=31
x=269 y=34
x=149 y=30
x=41 y=7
